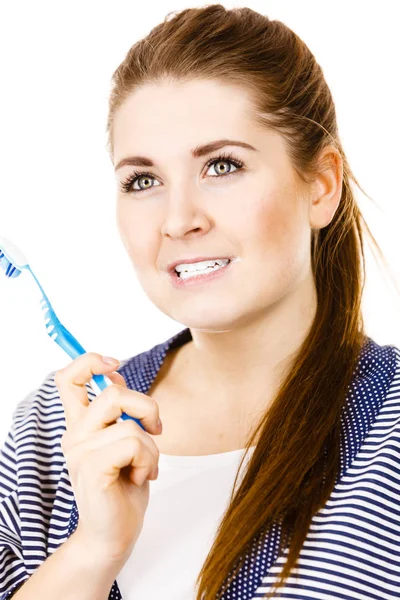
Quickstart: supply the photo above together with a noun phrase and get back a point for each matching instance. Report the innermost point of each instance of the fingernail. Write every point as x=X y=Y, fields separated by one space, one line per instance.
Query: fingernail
x=110 y=361
x=159 y=425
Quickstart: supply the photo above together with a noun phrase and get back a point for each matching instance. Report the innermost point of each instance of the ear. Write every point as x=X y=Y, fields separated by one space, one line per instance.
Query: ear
x=326 y=188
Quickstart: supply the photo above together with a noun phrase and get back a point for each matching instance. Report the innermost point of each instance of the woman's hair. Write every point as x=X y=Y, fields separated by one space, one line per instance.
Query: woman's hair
x=296 y=460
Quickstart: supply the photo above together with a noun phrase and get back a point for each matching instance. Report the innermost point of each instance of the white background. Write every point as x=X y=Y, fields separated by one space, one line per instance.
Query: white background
x=57 y=196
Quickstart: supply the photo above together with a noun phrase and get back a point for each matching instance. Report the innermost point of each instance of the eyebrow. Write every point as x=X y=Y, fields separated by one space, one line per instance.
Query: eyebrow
x=197 y=152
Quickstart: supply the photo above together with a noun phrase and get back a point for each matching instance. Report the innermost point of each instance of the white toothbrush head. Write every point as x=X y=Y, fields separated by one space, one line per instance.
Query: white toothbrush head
x=12 y=260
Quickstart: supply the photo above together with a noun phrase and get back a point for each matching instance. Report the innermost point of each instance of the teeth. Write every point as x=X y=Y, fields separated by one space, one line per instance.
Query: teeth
x=194 y=274
x=201 y=266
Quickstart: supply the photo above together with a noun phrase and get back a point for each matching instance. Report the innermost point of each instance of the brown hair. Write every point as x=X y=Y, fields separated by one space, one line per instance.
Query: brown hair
x=296 y=460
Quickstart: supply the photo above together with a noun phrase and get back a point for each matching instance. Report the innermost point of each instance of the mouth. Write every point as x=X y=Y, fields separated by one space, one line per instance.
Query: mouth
x=211 y=274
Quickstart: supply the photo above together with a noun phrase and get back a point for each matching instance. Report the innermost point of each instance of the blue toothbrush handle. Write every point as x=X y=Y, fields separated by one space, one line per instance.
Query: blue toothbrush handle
x=69 y=343
x=73 y=348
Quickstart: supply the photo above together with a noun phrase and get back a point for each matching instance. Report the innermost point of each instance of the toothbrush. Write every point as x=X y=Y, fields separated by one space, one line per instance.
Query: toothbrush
x=12 y=261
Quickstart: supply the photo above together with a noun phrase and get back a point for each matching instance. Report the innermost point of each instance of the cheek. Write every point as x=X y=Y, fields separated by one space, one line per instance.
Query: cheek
x=136 y=237
x=275 y=220
x=280 y=232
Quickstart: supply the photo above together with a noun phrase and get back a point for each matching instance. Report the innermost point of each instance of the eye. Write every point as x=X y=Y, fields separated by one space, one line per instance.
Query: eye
x=127 y=186
x=216 y=162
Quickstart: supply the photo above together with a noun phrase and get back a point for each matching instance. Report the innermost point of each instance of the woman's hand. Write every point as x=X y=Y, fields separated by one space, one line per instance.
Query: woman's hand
x=109 y=463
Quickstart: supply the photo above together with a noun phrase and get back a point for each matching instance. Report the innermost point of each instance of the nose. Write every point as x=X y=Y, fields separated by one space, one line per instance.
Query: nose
x=185 y=215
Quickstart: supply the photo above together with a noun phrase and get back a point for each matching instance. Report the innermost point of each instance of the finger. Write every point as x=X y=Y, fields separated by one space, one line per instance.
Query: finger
x=71 y=381
x=109 y=406
x=103 y=466
x=117 y=378
x=110 y=435
x=106 y=436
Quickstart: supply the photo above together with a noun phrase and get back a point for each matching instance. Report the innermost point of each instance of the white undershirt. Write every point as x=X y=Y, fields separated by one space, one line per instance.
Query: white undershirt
x=186 y=505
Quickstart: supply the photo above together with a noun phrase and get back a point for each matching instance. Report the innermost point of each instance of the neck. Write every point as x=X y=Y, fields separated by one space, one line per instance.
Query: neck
x=246 y=363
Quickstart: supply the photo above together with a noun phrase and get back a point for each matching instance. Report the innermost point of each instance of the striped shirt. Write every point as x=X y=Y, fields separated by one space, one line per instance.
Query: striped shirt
x=352 y=550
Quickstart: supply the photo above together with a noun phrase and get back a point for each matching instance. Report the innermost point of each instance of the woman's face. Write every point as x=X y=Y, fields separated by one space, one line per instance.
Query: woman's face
x=186 y=209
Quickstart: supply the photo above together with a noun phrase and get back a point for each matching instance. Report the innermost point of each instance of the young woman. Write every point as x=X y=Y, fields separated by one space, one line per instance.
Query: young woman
x=277 y=463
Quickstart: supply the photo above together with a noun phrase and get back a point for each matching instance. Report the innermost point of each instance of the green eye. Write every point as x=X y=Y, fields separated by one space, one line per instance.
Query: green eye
x=127 y=185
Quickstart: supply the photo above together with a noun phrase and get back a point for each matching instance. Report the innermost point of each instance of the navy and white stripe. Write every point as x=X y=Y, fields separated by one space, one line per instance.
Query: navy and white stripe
x=352 y=550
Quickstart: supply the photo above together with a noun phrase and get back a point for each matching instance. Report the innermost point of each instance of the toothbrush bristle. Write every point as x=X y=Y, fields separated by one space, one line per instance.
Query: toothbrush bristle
x=10 y=270
x=9 y=250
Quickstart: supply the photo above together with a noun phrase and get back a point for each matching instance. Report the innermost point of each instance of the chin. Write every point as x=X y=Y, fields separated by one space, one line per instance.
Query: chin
x=209 y=330
x=213 y=324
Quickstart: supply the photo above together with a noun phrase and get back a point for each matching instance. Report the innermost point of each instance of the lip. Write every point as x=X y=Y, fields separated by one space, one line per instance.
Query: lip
x=199 y=279
x=188 y=261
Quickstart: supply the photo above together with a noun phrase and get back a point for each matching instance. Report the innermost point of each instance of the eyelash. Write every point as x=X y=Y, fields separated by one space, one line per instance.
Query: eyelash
x=127 y=185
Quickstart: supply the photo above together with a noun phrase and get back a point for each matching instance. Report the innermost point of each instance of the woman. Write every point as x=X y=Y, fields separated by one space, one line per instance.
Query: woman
x=223 y=137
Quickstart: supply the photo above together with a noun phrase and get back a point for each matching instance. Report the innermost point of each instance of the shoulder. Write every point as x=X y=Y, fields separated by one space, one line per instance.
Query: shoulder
x=42 y=405
x=380 y=369
x=390 y=408
x=373 y=399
